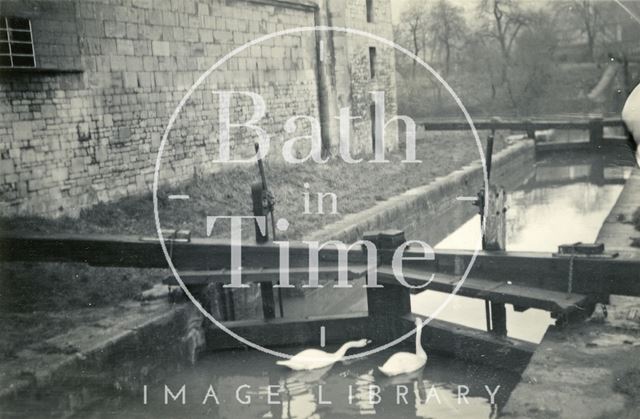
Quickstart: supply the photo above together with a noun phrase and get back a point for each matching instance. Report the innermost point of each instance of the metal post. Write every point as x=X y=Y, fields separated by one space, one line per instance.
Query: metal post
x=266 y=288
x=596 y=132
x=489 y=153
x=531 y=132
x=263 y=204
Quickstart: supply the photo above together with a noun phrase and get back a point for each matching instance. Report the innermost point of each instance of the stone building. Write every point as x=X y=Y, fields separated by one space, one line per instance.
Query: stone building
x=87 y=88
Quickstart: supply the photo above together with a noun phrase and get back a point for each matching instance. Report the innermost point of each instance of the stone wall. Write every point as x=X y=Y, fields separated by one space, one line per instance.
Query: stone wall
x=353 y=73
x=432 y=212
x=85 y=126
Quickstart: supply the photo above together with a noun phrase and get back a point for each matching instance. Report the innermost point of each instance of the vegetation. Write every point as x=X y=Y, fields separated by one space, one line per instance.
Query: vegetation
x=26 y=288
x=511 y=57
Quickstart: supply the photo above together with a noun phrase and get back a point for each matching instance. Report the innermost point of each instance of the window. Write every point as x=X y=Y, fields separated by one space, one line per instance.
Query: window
x=369 y=11
x=372 y=62
x=16 y=43
x=372 y=113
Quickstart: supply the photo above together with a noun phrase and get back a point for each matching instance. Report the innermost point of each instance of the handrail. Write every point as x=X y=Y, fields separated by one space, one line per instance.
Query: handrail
x=534 y=269
x=518 y=124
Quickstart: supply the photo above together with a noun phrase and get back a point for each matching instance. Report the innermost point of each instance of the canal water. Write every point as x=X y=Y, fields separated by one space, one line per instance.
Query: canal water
x=563 y=202
x=248 y=384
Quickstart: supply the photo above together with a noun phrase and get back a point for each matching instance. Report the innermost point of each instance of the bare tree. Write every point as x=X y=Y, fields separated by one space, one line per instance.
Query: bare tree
x=447 y=27
x=589 y=17
x=413 y=27
x=532 y=65
x=507 y=19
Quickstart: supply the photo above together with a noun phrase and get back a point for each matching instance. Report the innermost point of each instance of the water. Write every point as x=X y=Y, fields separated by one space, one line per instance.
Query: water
x=345 y=390
x=564 y=202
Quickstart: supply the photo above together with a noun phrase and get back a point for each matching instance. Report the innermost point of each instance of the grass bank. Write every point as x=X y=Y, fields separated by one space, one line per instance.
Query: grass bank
x=357 y=187
x=35 y=297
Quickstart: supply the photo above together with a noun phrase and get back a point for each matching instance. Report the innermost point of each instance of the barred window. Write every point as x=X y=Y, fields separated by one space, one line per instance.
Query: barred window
x=16 y=43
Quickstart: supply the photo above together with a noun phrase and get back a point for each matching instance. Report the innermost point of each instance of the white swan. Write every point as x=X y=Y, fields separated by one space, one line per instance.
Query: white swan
x=406 y=362
x=311 y=359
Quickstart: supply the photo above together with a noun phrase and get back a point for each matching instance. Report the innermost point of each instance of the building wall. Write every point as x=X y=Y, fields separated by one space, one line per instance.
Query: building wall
x=352 y=70
x=85 y=126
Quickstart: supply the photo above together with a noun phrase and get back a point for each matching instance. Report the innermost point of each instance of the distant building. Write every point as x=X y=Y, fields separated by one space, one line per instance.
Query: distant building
x=88 y=86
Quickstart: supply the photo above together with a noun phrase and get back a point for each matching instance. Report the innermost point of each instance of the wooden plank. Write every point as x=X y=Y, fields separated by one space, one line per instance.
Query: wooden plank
x=540 y=270
x=615 y=138
x=608 y=143
x=134 y=251
x=473 y=345
x=489 y=124
x=515 y=125
x=438 y=336
x=552 y=147
x=614 y=121
x=495 y=291
x=297 y=276
x=268 y=300
x=495 y=234
x=536 y=269
x=282 y=332
x=552 y=183
x=498 y=317
x=494 y=238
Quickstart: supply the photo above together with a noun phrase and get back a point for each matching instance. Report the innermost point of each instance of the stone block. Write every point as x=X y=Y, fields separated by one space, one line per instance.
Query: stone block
x=48 y=111
x=6 y=167
x=163 y=79
x=22 y=130
x=206 y=35
x=132 y=30
x=155 y=17
x=59 y=175
x=122 y=135
x=160 y=48
x=29 y=155
x=34 y=185
x=114 y=29
x=149 y=63
x=146 y=79
x=169 y=19
x=118 y=63
x=107 y=120
x=130 y=79
x=191 y=35
x=142 y=4
x=134 y=64
x=124 y=46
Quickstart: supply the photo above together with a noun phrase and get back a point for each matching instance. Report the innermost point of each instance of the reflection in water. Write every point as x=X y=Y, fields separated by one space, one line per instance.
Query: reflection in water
x=530 y=325
x=250 y=385
x=541 y=219
x=564 y=203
